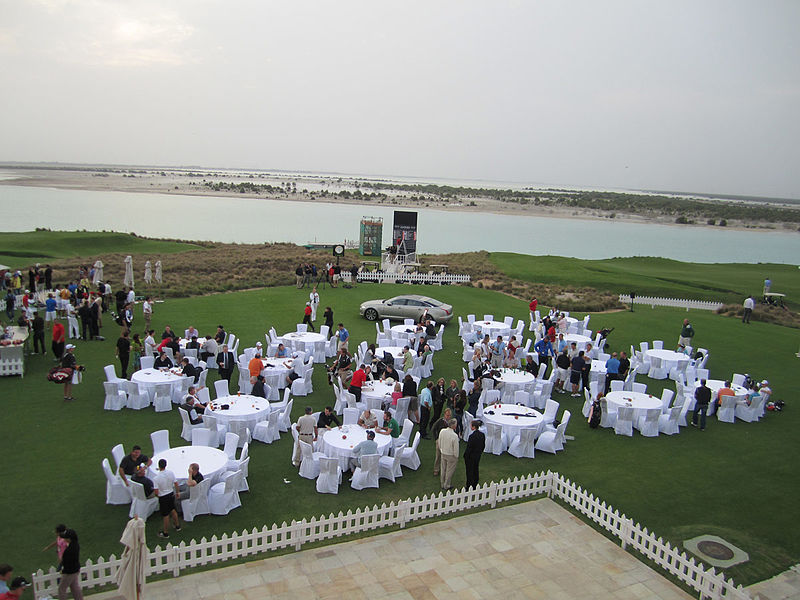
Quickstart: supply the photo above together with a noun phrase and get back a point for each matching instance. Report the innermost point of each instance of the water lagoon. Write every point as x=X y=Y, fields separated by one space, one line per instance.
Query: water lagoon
x=257 y=220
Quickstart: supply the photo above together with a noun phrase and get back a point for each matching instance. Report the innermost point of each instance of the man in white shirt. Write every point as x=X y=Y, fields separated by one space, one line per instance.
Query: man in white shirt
x=209 y=348
x=167 y=487
x=749 y=305
x=147 y=311
x=448 y=447
x=150 y=344
x=131 y=299
x=314 y=297
x=306 y=432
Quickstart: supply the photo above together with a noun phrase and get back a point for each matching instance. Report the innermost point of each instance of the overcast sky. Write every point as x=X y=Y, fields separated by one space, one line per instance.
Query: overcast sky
x=687 y=95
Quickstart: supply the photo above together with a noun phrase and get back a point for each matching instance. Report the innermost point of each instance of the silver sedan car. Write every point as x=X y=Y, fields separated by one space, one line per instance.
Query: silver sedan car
x=406 y=307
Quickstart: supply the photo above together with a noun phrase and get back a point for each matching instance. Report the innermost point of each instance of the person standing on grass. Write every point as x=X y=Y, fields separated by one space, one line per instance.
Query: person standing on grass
x=59 y=337
x=687 y=333
x=749 y=305
x=10 y=299
x=425 y=408
x=702 y=397
x=147 y=312
x=37 y=325
x=472 y=455
x=226 y=362
x=307 y=320
x=70 y=567
x=448 y=446
x=314 y=297
x=344 y=337
x=123 y=352
x=328 y=316
x=50 y=309
x=167 y=487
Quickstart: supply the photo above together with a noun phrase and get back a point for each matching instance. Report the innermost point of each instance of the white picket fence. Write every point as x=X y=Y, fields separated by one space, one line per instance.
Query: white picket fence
x=673 y=302
x=174 y=559
x=430 y=278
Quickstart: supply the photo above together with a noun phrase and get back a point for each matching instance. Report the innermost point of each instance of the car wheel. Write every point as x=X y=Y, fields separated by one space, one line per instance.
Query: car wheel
x=371 y=314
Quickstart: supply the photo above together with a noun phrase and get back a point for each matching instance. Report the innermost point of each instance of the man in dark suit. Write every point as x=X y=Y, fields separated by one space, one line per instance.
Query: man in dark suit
x=473 y=452
x=226 y=362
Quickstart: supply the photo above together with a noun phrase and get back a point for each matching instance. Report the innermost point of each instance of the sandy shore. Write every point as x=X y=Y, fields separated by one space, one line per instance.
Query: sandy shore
x=180 y=182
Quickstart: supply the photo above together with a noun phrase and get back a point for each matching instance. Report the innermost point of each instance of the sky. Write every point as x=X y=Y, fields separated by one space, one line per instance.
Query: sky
x=684 y=95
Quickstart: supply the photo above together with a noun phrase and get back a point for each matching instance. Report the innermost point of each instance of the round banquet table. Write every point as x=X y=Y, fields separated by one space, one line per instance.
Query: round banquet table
x=504 y=415
x=303 y=341
x=580 y=340
x=493 y=328
x=376 y=389
x=335 y=447
x=212 y=461
x=599 y=367
x=148 y=378
x=183 y=341
x=275 y=371
x=405 y=333
x=715 y=385
x=669 y=358
x=396 y=351
x=514 y=380
x=245 y=408
x=639 y=401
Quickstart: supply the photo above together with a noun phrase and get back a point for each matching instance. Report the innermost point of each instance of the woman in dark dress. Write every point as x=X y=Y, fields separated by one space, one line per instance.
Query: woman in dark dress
x=461 y=403
x=71 y=567
x=410 y=390
x=438 y=393
x=328 y=316
x=473 y=397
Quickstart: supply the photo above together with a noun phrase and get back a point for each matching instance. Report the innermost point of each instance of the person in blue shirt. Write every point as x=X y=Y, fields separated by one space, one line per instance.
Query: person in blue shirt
x=368 y=446
x=281 y=352
x=612 y=370
x=343 y=336
x=425 y=406
x=544 y=348
x=498 y=352
x=50 y=310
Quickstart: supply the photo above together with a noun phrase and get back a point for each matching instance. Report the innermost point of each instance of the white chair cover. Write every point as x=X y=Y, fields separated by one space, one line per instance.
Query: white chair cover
x=366 y=476
x=116 y=491
x=197 y=502
x=330 y=475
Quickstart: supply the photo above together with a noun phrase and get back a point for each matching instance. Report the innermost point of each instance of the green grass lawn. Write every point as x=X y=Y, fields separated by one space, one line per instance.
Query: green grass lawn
x=20 y=250
x=650 y=276
x=738 y=481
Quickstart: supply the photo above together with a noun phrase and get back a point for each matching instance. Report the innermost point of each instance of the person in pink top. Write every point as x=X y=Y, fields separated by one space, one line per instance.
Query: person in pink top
x=60 y=544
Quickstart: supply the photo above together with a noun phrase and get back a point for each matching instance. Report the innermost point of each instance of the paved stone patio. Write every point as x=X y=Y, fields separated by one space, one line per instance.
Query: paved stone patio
x=530 y=550
x=784 y=586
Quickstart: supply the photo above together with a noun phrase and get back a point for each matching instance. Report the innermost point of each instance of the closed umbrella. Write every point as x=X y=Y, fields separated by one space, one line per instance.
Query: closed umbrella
x=148 y=273
x=131 y=574
x=98 y=272
x=158 y=271
x=128 y=271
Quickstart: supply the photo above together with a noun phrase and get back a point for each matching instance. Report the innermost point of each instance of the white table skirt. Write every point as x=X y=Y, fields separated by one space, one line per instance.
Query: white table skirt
x=212 y=461
x=639 y=401
x=515 y=380
x=669 y=358
x=303 y=341
x=151 y=377
x=396 y=351
x=580 y=340
x=493 y=328
x=376 y=389
x=512 y=425
x=740 y=393
x=334 y=446
x=245 y=408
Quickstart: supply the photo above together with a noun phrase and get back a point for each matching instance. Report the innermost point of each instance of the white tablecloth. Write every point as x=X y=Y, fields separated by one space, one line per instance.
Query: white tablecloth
x=404 y=334
x=245 y=408
x=493 y=328
x=335 y=445
x=639 y=401
x=148 y=378
x=580 y=340
x=183 y=341
x=512 y=424
x=514 y=380
x=396 y=351
x=716 y=384
x=669 y=358
x=376 y=389
x=302 y=341
x=212 y=461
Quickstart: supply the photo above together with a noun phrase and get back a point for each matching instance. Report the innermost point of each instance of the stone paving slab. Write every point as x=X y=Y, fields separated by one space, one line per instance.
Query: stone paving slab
x=531 y=550
x=784 y=586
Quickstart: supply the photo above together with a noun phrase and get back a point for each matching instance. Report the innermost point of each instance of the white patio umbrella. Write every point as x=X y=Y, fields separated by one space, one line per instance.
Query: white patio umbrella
x=128 y=271
x=148 y=273
x=158 y=271
x=131 y=574
x=98 y=272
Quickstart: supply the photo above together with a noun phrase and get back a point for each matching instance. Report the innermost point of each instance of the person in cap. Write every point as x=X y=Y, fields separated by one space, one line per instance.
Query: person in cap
x=16 y=588
x=307 y=316
x=68 y=361
x=368 y=446
x=141 y=477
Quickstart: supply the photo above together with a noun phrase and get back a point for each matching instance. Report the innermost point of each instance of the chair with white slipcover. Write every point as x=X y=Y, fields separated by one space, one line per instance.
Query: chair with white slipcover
x=608 y=417
x=115 y=397
x=137 y=397
x=162 y=397
x=309 y=462
x=753 y=411
x=522 y=446
x=640 y=388
x=187 y=426
x=160 y=440
x=221 y=388
x=658 y=344
x=140 y=504
x=285 y=416
x=553 y=441
x=350 y=416
x=647 y=424
x=111 y=374
x=550 y=410
x=623 y=424
x=224 y=496
x=231 y=444
x=366 y=476
x=409 y=456
x=197 y=502
x=116 y=490
x=330 y=475
x=267 y=431
x=668 y=422
x=727 y=410
x=202 y=437
x=496 y=441
x=389 y=467
x=146 y=362
x=617 y=385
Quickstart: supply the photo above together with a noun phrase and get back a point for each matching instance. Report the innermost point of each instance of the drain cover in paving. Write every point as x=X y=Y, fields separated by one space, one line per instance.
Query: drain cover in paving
x=715 y=551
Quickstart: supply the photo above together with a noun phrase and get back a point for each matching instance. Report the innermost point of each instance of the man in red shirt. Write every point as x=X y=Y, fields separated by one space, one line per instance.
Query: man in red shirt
x=255 y=366
x=59 y=336
x=359 y=377
x=15 y=589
